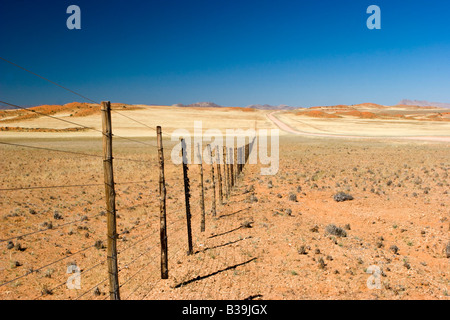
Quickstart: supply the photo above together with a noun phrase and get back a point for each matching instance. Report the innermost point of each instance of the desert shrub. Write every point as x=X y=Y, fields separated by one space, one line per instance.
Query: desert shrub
x=99 y=244
x=342 y=196
x=394 y=249
x=246 y=224
x=335 y=231
x=292 y=197
x=302 y=250
x=321 y=263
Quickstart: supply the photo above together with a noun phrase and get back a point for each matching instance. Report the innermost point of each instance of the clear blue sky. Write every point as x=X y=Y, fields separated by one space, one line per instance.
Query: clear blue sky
x=232 y=52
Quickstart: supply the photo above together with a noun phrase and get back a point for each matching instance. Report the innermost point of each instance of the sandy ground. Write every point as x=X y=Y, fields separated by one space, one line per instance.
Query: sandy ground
x=287 y=253
x=362 y=129
x=169 y=118
x=398 y=221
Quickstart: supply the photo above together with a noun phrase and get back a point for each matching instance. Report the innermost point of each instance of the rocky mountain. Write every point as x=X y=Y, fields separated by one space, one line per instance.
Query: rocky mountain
x=269 y=107
x=423 y=103
x=199 y=105
x=254 y=106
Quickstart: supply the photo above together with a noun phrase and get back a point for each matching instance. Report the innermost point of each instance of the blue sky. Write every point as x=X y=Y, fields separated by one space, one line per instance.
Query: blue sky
x=234 y=53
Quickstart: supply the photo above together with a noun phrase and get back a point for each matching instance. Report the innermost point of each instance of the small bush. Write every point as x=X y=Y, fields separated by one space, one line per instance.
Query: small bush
x=99 y=244
x=394 y=249
x=302 y=250
x=321 y=263
x=57 y=216
x=246 y=224
x=342 y=196
x=292 y=197
x=335 y=231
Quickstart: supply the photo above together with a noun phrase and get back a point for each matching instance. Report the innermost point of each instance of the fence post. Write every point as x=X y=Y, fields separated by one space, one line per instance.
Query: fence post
x=110 y=193
x=187 y=195
x=213 y=182
x=202 y=191
x=219 y=175
x=236 y=165
x=239 y=165
x=226 y=180
x=230 y=150
x=247 y=152
x=162 y=207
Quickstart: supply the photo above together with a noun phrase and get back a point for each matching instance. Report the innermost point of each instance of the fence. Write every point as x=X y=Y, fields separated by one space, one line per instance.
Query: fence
x=223 y=173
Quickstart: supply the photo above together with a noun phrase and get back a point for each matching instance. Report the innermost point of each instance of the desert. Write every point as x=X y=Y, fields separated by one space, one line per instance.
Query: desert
x=359 y=207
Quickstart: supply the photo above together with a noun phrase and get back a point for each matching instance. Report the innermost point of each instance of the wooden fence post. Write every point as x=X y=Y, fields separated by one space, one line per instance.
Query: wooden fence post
x=236 y=165
x=226 y=176
x=239 y=160
x=110 y=193
x=213 y=182
x=241 y=167
x=162 y=207
x=219 y=175
x=202 y=192
x=247 y=153
x=187 y=195
x=231 y=155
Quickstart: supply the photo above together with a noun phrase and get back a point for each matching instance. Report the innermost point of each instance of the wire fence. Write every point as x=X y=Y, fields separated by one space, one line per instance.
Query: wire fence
x=54 y=231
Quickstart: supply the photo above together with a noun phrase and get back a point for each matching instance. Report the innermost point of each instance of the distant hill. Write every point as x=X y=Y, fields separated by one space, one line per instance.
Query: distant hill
x=423 y=103
x=269 y=107
x=198 y=105
x=252 y=106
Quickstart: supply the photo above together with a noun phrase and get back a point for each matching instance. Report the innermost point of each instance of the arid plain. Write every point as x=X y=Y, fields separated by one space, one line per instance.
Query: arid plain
x=276 y=237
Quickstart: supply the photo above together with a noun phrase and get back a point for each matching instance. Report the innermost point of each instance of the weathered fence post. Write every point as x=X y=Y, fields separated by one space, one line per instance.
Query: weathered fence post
x=187 y=195
x=226 y=176
x=162 y=207
x=213 y=182
x=110 y=193
x=241 y=166
x=219 y=175
x=231 y=155
x=247 y=152
x=239 y=160
x=202 y=191
x=236 y=165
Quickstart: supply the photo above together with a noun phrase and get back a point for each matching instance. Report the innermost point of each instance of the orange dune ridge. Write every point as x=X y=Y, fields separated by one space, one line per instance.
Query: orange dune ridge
x=360 y=114
x=371 y=105
x=317 y=114
x=74 y=108
x=339 y=106
x=22 y=129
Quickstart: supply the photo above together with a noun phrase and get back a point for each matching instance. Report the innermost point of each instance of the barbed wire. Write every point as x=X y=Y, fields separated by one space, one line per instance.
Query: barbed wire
x=45 y=266
x=133 y=244
x=146 y=237
x=50 y=81
x=73 y=186
x=50 y=116
x=52 y=228
x=68 y=151
x=90 y=289
x=65 y=281
x=154 y=284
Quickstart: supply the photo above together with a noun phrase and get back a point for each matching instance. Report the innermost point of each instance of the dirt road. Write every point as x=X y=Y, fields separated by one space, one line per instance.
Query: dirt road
x=283 y=126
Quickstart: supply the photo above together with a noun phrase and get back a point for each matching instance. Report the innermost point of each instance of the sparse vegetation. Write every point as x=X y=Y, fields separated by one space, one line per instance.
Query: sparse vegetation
x=335 y=231
x=294 y=250
x=342 y=196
